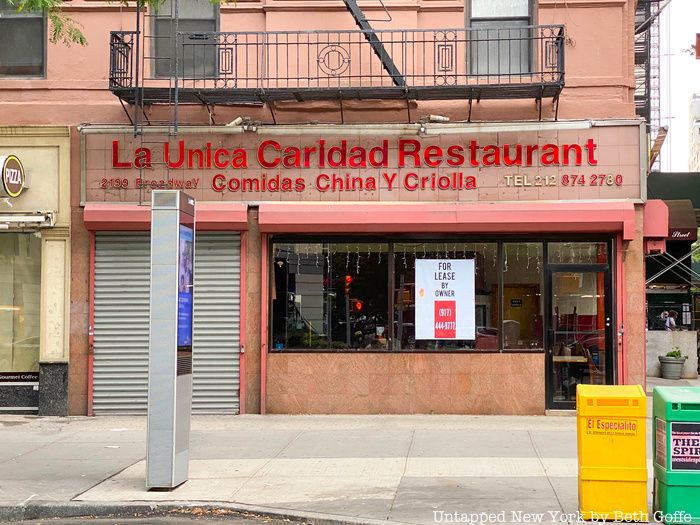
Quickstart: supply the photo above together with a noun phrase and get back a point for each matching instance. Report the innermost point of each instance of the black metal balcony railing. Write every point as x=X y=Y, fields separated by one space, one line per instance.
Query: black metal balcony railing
x=439 y=64
x=122 y=60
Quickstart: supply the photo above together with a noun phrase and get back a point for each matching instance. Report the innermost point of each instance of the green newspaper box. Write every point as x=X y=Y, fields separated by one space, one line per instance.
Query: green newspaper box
x=676 y=434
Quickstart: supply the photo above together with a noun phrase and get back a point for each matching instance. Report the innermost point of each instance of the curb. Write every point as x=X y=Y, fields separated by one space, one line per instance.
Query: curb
x=38 y=510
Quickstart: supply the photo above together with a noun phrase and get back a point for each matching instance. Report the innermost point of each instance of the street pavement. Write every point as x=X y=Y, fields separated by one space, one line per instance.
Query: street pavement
x=403 y=469
x=163 y=520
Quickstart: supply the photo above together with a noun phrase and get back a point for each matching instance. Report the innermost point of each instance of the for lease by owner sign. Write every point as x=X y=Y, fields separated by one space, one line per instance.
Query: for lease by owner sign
x=445 y=299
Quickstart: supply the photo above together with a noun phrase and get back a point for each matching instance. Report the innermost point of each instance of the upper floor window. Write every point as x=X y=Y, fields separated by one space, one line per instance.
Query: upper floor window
x=196 y=53
x=22 y=42
x=500 y=37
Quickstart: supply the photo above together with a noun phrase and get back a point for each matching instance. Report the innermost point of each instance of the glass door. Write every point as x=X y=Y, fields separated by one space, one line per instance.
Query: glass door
x=579 y=339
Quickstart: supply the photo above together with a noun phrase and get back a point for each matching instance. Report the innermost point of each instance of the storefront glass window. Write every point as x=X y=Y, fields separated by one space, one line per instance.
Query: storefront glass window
x=360 y=295
x=20 y=293
x=485 y=256
x=523 y=301
x=577 y=252
x=330 y=296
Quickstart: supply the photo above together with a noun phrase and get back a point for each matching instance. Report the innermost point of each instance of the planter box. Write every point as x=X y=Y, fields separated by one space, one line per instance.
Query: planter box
x=672 y=367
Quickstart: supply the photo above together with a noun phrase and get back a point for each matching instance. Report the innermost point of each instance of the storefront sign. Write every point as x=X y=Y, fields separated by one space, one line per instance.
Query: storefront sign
x=445 y=301
x=611 y=426
x=13 y=178
x=411 y=153
x=19 y=377
x=685 y=446
x=568 y=164
x=682 y=235
x=682 y=224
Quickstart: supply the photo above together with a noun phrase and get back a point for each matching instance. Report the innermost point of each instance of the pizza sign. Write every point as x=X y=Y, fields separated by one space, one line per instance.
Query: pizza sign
x=13 y=177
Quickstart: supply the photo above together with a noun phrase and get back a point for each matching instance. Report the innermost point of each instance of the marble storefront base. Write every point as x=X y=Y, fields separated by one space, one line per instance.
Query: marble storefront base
x=19 y=398
x=404 y=383
x=53 y=389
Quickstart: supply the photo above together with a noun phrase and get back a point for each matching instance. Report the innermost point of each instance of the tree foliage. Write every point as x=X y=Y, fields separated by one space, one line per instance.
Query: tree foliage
x=63 y=28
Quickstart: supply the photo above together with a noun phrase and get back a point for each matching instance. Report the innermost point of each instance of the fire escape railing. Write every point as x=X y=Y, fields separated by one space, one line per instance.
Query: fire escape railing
x=122 y=59
x=220 y=67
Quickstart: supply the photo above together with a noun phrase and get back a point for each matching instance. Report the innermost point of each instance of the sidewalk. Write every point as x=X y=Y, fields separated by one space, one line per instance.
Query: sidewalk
x=395 y=468
x=657 y=381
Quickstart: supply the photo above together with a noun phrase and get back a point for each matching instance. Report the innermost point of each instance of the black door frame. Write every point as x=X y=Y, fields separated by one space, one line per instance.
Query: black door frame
x=611 y=342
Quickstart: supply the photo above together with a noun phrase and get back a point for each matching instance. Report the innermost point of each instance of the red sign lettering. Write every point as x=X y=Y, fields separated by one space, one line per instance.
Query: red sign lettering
x=445 y=319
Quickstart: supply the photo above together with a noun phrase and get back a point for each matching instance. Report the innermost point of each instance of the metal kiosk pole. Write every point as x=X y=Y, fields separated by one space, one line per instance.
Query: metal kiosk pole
x=170 y=339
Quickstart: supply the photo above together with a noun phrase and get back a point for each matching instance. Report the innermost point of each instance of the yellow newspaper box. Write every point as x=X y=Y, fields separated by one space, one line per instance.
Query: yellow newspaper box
x=611 y=439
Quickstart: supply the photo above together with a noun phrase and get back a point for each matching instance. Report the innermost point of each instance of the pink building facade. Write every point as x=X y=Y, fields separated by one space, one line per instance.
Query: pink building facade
x=494 y=143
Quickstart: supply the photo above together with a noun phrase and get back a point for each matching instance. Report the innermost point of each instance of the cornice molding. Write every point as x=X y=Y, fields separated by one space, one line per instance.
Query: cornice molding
x=34 y=131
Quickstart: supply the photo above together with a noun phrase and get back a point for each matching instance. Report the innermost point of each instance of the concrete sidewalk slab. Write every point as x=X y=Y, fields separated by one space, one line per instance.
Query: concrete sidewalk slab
x=350 y=443
x=553 y=444
x=493 y=467
x=466 y=495
x=471 y=443
x=399 y=469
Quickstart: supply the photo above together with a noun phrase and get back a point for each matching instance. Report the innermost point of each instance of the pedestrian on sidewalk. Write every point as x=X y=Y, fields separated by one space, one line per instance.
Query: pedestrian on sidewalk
x=671 y=321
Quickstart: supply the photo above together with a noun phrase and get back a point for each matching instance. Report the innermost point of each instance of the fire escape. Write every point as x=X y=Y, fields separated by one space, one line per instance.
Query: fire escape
x=647 y=95
x=225 y=68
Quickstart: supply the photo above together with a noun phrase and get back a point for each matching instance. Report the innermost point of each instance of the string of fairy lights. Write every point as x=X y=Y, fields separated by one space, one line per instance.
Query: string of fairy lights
x=356 y=255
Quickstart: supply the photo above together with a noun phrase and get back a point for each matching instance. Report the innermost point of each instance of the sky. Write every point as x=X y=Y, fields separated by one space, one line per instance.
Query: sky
x=679 y=79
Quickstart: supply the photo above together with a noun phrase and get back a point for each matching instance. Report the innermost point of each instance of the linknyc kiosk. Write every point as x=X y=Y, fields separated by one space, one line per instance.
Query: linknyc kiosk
x=170 y=339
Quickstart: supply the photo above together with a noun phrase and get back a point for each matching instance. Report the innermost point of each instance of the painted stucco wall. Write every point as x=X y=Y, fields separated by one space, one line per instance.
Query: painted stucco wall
x=599 y=64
